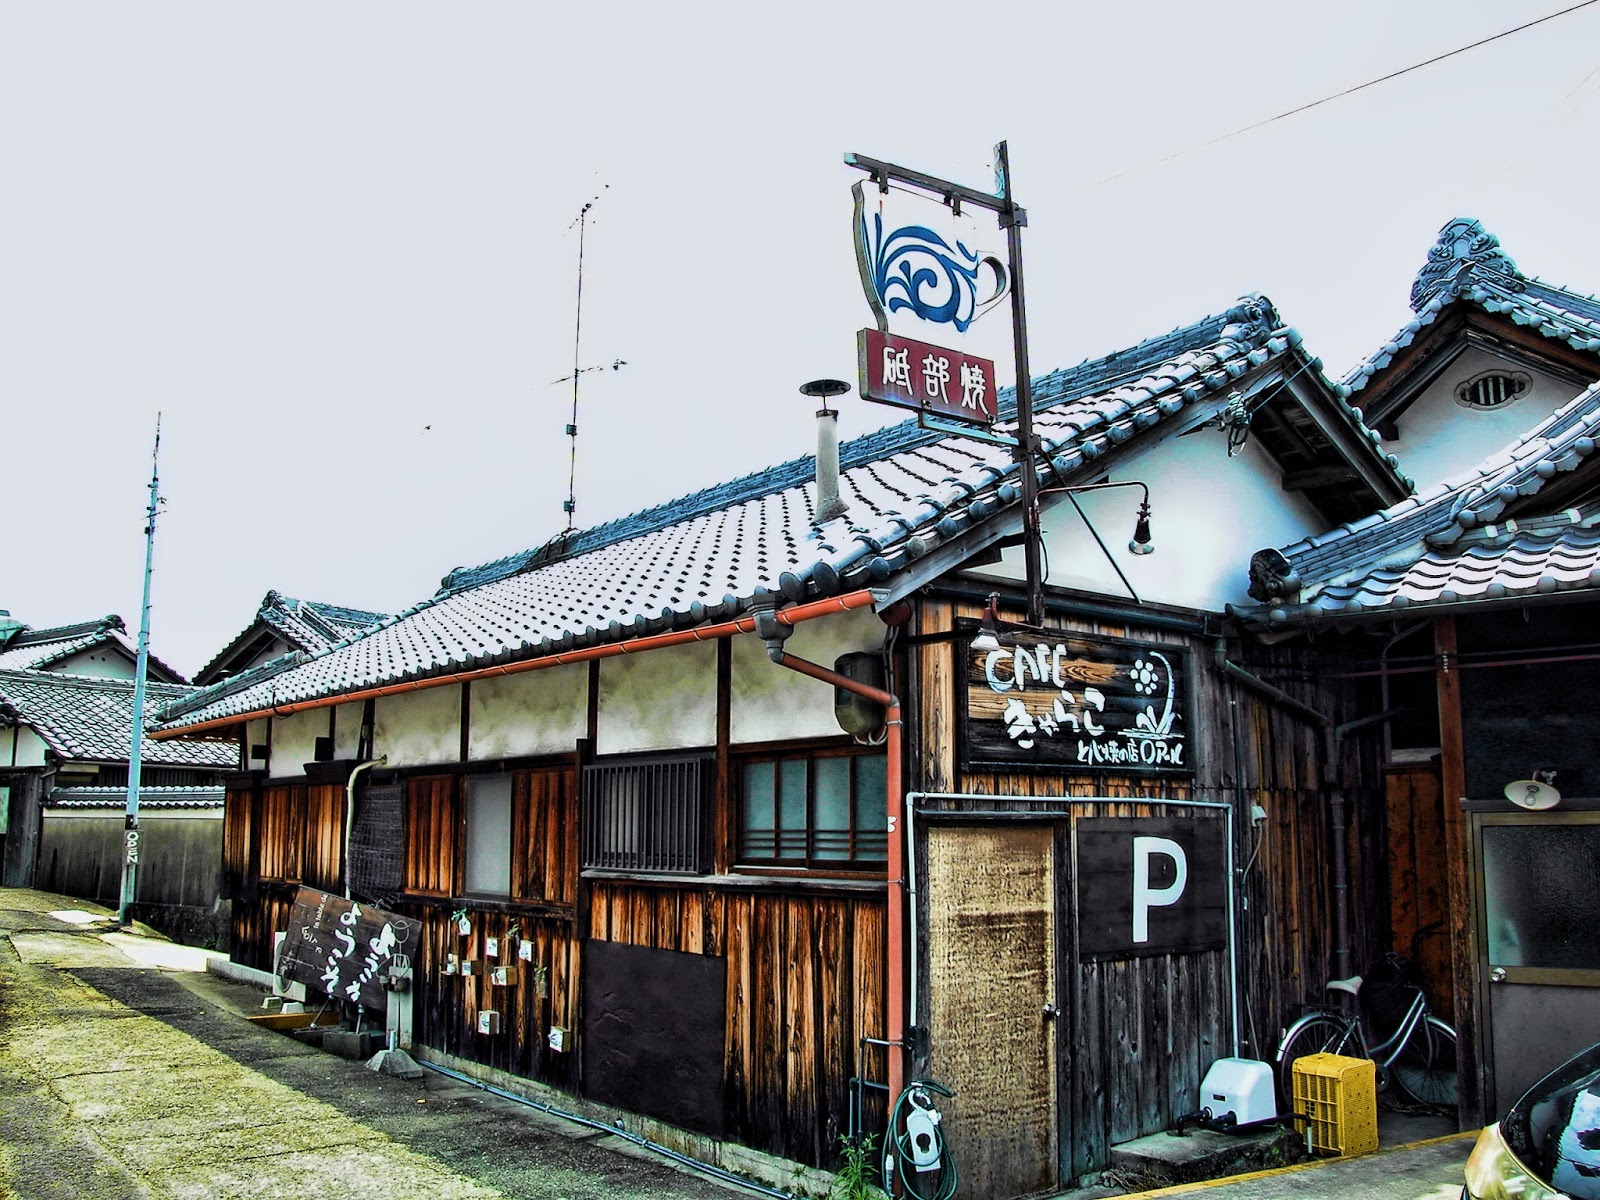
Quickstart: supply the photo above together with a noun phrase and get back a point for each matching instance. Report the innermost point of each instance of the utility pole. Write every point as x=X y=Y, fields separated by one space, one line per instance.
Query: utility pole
x=130 y=859
x=1012 y=218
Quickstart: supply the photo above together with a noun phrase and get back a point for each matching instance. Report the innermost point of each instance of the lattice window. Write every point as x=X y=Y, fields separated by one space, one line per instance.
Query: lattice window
x=1492 y=389
x=823 y=809
x=648 y=815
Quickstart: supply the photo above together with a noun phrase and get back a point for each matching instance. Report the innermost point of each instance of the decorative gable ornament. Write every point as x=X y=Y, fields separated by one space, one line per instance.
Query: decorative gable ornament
x=1463 y=246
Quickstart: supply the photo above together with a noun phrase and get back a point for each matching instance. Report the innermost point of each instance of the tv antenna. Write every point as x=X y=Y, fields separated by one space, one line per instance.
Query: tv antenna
x=570 y=505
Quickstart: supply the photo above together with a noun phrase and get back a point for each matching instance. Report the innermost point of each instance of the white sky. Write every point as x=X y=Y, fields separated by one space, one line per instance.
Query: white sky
x=307 y=232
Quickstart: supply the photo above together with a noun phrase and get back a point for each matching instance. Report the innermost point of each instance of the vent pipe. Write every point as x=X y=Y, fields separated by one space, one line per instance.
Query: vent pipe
x=829 y=503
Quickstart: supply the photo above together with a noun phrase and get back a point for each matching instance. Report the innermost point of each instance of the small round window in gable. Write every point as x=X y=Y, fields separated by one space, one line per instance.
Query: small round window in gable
x=1493 y=389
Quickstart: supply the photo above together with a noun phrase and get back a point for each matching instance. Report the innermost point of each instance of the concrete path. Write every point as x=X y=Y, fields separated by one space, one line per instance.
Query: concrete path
x=117 y=1082
x=1428 y=1170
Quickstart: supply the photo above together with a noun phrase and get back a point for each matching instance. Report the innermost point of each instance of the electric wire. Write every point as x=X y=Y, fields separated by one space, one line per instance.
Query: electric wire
x=1349 y=91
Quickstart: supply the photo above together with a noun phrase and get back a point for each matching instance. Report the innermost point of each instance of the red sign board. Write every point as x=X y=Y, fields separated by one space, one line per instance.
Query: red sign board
x=899 y=371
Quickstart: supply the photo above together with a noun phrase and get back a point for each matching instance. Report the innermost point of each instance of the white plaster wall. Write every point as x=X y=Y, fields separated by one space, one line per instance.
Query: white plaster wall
x=660 y=700
x=255 y=734
x=1209 y=514
x=537 y=712
x=23 y=748
x=1440 y=438
x=418 y=729
x=294 y=742
x=347 y=730
x=772 y=703
x=99 y=663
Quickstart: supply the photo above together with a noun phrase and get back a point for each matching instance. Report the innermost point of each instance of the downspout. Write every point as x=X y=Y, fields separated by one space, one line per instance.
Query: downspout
x=350 y=815
x=770 y=629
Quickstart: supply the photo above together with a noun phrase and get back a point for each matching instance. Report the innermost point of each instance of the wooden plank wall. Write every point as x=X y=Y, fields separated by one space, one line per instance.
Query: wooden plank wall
x=1247 y=751
x=1417 y=875
x=806 y=980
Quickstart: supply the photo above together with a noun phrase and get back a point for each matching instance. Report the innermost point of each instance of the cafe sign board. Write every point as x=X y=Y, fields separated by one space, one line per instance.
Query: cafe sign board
x=1059 y=701
x=343 y=948
x=911 y=374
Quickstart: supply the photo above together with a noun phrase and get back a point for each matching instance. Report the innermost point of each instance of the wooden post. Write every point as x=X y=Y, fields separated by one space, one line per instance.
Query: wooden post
x=1459 y=919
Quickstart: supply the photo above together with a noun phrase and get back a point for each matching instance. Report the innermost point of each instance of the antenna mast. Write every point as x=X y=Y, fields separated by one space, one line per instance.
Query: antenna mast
x=130 y=860
x=570 y=505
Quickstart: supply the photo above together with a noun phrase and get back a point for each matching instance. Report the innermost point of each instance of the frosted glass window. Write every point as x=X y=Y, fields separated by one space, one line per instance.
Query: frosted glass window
x=831 y=821
x=489 y=835
x=1541 y=902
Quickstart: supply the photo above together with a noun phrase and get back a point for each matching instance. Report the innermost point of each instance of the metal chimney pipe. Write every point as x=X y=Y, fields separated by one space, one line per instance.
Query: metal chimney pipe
x=829 y=504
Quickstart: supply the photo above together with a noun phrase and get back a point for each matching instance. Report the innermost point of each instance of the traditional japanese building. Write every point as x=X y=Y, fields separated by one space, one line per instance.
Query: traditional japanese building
x=769 y=835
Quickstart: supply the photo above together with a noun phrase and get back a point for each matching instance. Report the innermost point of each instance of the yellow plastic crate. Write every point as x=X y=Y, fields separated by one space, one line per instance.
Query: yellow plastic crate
x=1338 y=1098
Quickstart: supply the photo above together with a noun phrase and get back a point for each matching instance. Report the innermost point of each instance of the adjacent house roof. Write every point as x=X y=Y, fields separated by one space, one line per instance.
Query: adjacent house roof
x=91 y=720
x=921 y=503
x=149 y=798
x=1523 y=523
x=1467 y=268
x=27 y=648
x=306 y=625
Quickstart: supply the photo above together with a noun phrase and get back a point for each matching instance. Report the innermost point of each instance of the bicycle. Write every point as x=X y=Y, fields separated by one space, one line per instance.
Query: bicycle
x=1420 y=1055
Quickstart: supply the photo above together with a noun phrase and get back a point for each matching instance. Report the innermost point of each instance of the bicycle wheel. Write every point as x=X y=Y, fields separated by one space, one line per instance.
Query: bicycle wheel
x=1321 y=1034
x=1426 y=1065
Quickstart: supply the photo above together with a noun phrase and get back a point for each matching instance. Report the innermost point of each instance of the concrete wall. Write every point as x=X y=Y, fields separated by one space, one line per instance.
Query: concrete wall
x=771 y=703
x=1439 y=438
x=419 y=728
x=21 y=747
x=660 y=700
x=1209 y=514
x=294 y=741
x=537 y=712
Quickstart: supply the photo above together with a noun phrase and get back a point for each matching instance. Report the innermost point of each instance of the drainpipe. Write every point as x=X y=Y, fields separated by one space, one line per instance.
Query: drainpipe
x=770 y=629
x=829 y=503
x=350 y=815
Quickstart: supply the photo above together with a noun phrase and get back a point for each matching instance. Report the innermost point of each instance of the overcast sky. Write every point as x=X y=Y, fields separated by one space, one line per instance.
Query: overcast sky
x=334 y=244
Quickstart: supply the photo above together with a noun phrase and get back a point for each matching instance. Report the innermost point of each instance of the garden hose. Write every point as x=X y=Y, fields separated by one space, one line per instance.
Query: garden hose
x=920 y=1140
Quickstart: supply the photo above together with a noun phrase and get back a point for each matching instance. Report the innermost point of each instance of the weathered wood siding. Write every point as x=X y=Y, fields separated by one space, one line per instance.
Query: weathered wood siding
x=1417 y=875
x=805 y=982
x=1145 y=1030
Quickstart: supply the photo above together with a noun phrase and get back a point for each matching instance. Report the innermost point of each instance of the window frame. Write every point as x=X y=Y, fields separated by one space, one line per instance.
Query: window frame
x=853 y=862
x=508 y=780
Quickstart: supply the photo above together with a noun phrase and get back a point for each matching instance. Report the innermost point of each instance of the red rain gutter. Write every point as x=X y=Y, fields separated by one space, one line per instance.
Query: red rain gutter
x=789 y=616
x=895 y=949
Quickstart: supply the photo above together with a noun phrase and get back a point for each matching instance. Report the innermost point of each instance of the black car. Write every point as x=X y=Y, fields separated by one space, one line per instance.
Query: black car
x=1548 y=1145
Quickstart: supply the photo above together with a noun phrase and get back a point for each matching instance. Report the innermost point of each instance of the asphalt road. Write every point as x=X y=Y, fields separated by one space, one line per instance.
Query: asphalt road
x=126 y=1082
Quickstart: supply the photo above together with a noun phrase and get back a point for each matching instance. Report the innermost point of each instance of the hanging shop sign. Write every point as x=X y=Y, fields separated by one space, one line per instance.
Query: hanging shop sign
x=910 y=374
x=1067 y=702
x=921 y=278
x=344 y=948
x=1151 y=885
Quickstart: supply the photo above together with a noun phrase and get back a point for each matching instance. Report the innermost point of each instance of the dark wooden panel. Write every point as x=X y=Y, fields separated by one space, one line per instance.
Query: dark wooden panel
x=324 y=837
x=1139 y=896
x=652 y=1033
x=431 y=835
x=280 y=839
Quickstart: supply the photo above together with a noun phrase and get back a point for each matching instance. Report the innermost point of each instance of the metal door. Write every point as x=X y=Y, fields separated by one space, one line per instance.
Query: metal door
x=991 y=904
x=1539 y=939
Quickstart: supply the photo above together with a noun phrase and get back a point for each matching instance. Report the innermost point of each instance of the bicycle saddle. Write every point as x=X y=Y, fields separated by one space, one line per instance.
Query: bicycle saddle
x=1351 y=985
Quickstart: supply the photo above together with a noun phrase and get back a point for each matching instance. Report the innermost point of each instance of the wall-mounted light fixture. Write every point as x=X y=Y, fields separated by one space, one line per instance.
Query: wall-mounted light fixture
x=1140 y=543
x=989 y=628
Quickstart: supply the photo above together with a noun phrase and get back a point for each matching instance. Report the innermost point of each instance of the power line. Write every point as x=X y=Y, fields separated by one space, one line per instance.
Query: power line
x=1222 y=137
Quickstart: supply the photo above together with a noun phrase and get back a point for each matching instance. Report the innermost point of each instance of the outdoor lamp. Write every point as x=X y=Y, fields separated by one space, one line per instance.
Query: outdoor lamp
x=989 y=627
x=1141 y=530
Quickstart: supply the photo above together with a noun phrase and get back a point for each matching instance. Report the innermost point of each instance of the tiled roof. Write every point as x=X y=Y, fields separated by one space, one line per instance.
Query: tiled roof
x=708 y=556
x=87 y=719
x=1467 y=263
x=1456 y=543
x=307 y=625
x=39 y=649
x=149 y=797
